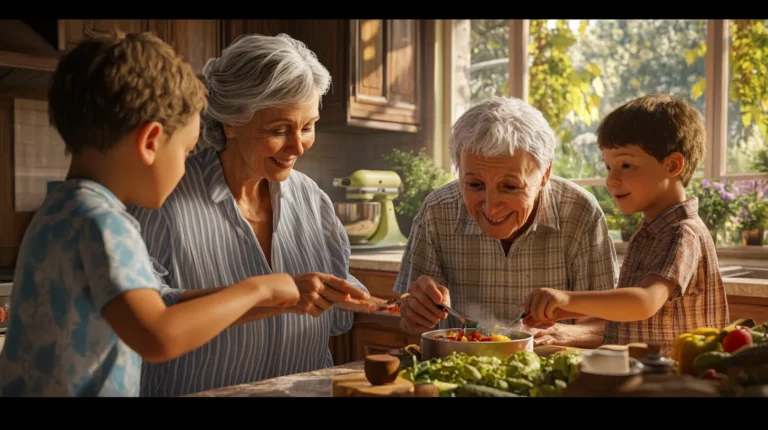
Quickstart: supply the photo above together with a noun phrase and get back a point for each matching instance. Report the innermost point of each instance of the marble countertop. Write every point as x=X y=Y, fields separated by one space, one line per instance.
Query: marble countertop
x=384 y=261
x=310 y=384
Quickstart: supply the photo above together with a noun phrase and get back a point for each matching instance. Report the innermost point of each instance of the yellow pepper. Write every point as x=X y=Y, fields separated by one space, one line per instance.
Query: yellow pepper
x=464 y=339
x=688 y=346
x=499 y=338
x=707 y=331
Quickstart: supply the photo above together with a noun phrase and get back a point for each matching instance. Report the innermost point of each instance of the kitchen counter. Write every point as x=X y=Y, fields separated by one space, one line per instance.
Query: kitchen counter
x=318 y=384
x=309 y=384
x=383 y=261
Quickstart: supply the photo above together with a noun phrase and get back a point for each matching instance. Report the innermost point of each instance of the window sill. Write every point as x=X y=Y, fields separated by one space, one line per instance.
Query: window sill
x=731 y=255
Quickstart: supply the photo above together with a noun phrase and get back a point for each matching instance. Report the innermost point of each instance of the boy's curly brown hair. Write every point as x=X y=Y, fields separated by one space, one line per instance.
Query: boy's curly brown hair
x=113 y=82
x=660 y=124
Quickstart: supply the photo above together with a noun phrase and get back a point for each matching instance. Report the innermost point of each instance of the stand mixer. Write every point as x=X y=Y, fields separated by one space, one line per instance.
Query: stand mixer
x=369 y=214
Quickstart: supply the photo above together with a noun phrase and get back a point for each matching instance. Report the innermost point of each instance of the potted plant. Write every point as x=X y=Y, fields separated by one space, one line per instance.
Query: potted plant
x=752 y=215
x=420 y=177
x=716 y=206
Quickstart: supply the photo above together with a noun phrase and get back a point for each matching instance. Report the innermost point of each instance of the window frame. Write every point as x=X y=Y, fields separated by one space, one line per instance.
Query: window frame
x=716 y=103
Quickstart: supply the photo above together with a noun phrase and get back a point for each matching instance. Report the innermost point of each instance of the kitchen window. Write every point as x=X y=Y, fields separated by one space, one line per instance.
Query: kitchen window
x=577 y=71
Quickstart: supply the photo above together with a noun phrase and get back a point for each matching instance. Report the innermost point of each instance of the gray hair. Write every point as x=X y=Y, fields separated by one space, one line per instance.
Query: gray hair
x=499 y=126
x=257 y=72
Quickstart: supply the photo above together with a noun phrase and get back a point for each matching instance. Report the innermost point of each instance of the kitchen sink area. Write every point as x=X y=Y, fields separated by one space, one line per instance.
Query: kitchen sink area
x=740 y=272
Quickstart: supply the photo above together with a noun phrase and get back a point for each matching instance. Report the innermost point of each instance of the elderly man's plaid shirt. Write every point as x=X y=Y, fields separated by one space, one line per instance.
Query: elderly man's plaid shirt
x=567 y=247
x=677 y=246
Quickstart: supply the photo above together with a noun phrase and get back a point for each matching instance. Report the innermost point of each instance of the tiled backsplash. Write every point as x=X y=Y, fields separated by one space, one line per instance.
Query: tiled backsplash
x=39 y=154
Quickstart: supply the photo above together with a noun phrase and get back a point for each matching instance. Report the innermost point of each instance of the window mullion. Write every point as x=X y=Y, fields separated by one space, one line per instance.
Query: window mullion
x=518 y=58
x=716 y=99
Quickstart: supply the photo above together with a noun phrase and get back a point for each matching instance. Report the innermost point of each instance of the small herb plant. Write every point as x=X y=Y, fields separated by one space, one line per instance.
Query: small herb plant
x=420 y=177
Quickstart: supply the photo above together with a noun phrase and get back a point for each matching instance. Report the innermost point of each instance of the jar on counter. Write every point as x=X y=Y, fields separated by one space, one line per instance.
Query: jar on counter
x=654 y=361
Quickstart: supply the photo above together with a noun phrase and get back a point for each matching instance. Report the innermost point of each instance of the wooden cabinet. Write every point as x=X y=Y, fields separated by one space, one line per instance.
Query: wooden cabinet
x=72 y=31
x=377 y=337
x=748 y=307
x=379 y=283
x=385 y=73
x=376 y=68
x=197 y=40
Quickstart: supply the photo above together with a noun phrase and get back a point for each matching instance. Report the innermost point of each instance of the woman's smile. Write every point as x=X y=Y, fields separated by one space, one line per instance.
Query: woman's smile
x=283 y=163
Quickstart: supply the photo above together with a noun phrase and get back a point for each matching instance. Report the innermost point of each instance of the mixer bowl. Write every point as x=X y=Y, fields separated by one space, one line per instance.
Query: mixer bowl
x=360 y=219
x=431 y=347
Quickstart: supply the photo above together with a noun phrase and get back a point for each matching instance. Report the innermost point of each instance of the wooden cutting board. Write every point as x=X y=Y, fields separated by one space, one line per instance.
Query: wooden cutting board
x=356 y=385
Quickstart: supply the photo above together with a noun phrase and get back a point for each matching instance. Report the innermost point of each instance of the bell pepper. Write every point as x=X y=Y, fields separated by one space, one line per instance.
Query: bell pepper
x=688 y=346
x=707 y=331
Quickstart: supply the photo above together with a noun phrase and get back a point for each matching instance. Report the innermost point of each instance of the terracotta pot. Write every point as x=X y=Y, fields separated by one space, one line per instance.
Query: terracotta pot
x=753 y=237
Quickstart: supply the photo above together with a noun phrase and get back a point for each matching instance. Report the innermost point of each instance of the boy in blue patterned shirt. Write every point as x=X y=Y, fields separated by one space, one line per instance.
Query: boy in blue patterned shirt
x=86 y=302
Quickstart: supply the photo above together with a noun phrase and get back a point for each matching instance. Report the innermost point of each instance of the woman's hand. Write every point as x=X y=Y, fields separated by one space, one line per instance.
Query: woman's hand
x=418 y=310
x=320 y=291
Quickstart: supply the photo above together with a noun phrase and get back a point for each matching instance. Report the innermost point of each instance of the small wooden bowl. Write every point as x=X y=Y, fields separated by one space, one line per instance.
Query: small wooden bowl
x=381 y=369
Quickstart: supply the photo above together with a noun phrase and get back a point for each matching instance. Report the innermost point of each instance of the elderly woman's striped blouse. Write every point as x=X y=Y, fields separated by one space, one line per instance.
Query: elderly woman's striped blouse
x=201 y=240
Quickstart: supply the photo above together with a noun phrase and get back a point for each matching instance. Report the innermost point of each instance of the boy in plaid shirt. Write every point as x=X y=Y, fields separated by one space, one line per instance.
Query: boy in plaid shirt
x=670 y=281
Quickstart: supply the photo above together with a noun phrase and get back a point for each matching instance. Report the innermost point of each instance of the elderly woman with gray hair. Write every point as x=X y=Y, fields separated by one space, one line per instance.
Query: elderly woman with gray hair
x=241 y=210
x=505 y=228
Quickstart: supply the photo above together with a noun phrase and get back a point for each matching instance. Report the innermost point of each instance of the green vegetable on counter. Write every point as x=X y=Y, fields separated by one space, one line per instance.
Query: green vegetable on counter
x=711 y=360
x=472 y=390
x=523 y=373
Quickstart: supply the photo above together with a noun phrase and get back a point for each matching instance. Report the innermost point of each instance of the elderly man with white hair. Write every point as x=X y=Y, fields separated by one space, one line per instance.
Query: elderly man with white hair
x=505 y=228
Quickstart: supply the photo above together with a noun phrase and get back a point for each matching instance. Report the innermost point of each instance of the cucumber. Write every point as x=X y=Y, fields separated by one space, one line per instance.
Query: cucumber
x=711 y=360
x=472 y=390
x=750 y=355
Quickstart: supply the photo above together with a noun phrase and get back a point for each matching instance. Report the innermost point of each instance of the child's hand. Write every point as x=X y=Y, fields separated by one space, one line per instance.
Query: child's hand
x=282 y=292
x=542 y=304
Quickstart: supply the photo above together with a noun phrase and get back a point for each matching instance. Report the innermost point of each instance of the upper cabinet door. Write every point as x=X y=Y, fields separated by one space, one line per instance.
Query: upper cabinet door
x=197 y=40
x=72 y=31
x=386 y=74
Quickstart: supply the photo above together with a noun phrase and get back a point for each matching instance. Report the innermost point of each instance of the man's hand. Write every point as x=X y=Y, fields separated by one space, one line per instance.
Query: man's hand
x=418 y=310
x=542 y=304
x=320 y=291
